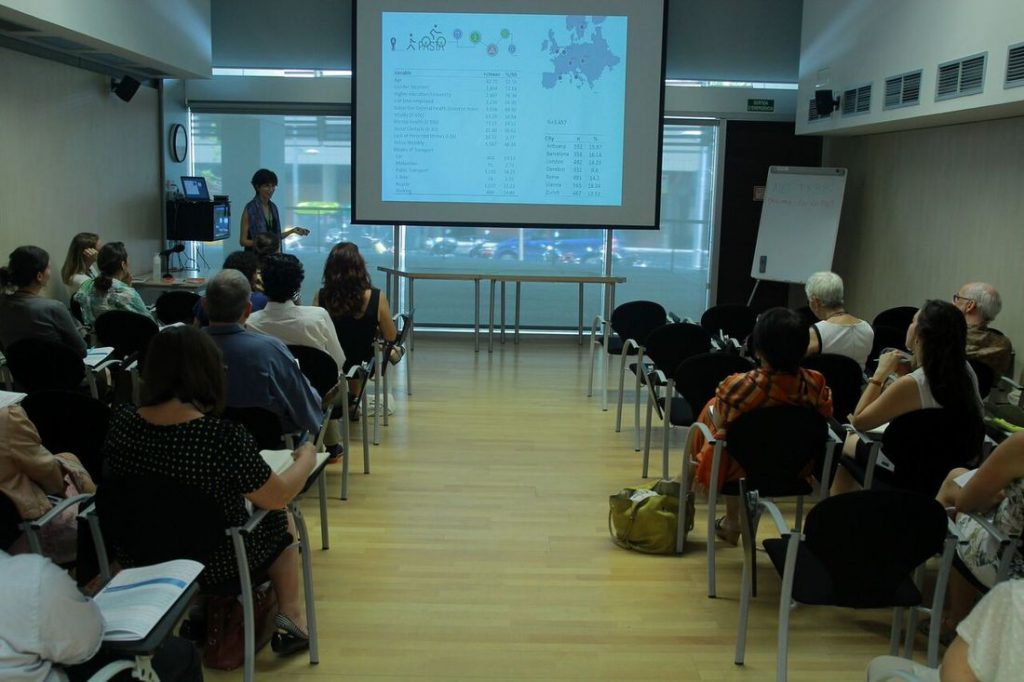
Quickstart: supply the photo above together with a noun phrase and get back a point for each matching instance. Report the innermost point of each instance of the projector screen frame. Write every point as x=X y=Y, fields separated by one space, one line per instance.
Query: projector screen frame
x=397 y=218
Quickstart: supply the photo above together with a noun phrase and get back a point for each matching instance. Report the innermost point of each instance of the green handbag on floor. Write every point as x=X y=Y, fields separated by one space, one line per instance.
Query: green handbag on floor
x=645 y=519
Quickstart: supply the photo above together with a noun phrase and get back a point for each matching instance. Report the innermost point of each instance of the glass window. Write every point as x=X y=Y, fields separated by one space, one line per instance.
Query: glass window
x=311 y=156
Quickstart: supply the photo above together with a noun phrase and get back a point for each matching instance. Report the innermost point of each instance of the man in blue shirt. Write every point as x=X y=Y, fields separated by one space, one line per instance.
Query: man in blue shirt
x=260 y=370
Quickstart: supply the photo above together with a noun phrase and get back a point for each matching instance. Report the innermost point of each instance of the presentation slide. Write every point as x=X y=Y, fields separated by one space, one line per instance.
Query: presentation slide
x=466 y=113
x=474 y=105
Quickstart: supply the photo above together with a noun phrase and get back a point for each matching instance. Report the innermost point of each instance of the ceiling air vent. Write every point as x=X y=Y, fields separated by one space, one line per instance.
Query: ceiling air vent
x=1015 y=66
x=962 y=77
x=857 y=100
x=903 y=90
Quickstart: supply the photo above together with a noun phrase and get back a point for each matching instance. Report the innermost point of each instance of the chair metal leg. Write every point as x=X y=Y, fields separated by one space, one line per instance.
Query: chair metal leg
x=785 y=600
x=911 y=633
x=376 y=395
x=941 y=581
x=712 y=513
x=590 y=375
x=894 y=633
x=745 y=593
x=622 y=382
x=307 y=581
x=346 y=444
x=636 y=403
x=366 y=436
x=321 y=485
x=387 y=389
x=647 y=435
x=248 y=616
x=684 y=518
x=799 y=512
x=666 y=433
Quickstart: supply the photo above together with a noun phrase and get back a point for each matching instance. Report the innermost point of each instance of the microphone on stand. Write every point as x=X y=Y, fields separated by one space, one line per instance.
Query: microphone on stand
x=177 y=248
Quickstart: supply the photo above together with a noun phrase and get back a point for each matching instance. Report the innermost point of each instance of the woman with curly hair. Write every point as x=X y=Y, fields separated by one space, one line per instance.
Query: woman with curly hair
x=357 y=309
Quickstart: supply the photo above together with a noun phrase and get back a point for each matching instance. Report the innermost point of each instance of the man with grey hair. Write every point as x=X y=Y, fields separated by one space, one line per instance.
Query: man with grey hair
x=260 y=370
x=980 y=303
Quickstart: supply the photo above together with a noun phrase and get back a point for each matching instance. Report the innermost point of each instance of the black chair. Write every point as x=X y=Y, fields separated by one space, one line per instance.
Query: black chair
x=129 y=334
x=626 y=331
x=264 y=425
x=71 y=422
x=732 y=320
x=807 y=316
x=176 y=306
x=687 y=388
x=10 y=522
x=383 y=359
x=858 y=550
x=898 y=318
x=923 y=446
x=322 y=371
x=844 y=376
x=985 y=374
x=666 y=347
x=147 y=520
x=38 y=365
x=777 y=447
x=886 y=337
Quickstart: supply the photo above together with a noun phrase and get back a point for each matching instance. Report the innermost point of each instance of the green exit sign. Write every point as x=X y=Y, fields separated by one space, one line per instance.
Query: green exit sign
x=761 y=105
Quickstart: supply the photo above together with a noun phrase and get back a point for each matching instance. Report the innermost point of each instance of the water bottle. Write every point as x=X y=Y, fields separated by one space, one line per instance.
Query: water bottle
x=157 y=266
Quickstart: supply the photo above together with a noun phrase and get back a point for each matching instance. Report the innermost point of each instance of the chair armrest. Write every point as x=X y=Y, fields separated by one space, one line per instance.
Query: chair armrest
x=708 y=436
x=776 y=516
x=862 y=435
x=1009 y=384
x=627 y=344
x=254 y=520
x=657 y=378
x=108 y=363
x=599 y=321
x=998 y=535
x=58 y=509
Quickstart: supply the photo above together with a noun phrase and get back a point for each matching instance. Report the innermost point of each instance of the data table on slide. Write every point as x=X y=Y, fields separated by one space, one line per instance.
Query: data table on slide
x=503 y=108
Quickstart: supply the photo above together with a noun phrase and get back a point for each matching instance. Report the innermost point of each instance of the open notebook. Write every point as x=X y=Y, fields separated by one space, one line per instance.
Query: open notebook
x=135 y=600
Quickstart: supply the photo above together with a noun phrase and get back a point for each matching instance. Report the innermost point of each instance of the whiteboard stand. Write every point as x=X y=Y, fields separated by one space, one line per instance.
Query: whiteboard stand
x=799 y=224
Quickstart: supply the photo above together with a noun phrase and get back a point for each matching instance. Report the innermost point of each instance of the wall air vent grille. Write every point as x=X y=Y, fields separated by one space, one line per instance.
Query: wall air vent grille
x=812 y=111
x=903 y=90
x=960 y=78
x=1015 y=66
x=857 y=100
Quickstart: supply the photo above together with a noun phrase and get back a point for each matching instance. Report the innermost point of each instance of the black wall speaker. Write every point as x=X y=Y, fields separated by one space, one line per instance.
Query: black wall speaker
x=824 y=102
x=124 y=88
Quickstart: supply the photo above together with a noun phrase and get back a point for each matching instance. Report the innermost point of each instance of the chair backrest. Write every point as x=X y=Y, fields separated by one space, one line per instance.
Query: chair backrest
x=176 y=306
x=71 y=422
x=38 y=365
x=697 y=377
x=985 y=374
x=76 y=310
x=732 y=319
x=870 y=541
x=318 y=366
x=925 y=445
x=399 y=342
x=887 y=337
x=807 y=316
x=264 y=425
x=10 y=522
x=636 y=319
x=776 y=446
x=670 y=344
x=899 y=318
x=126 y=331
x=843 y=375
x=149 y=519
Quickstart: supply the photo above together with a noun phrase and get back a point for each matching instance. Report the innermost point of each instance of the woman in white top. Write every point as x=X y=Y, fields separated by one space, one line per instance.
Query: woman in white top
x=80 y=263
x=938 y=339
x=838 y=331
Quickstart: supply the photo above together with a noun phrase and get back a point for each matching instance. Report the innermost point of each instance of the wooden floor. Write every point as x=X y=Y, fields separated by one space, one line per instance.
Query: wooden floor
x=478 y=548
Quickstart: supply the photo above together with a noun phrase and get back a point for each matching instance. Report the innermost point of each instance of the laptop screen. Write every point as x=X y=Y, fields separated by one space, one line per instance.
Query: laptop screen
x=195 y=188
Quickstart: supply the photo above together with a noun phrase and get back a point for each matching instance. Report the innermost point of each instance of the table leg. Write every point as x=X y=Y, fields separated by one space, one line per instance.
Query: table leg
x=579 y=340
x=476 y=316
x=503 y=312
x=519 y=288
x=490 y=322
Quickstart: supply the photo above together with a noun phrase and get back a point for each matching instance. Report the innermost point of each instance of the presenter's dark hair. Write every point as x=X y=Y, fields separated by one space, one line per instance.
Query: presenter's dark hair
x=780 y=337
x=109 y=261
x=24 y=263
x=245 y=262
x=263 y=176
x=942 y=332
x=74 y=263
x=282 y=276
x=183 y=362
x=346 y=280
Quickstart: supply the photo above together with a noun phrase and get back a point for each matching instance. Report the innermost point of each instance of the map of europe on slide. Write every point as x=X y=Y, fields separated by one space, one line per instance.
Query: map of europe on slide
x=493 y=108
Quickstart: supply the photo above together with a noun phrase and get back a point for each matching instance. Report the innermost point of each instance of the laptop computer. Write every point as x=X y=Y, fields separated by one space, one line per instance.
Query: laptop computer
x=194 y=188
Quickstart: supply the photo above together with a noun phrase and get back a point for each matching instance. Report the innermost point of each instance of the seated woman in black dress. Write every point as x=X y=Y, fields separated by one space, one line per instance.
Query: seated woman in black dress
x=175 y=434
x=357 y=309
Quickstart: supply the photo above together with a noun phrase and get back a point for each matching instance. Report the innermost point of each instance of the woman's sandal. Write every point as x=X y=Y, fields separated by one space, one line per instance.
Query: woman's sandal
x=731 y=537
x=291 y=640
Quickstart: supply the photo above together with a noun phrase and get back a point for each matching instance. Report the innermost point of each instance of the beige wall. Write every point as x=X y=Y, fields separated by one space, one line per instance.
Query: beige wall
x=926 y=210
x=76 y=158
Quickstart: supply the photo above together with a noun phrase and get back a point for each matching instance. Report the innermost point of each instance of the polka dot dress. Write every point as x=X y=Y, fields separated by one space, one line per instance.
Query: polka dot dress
x=219 y=457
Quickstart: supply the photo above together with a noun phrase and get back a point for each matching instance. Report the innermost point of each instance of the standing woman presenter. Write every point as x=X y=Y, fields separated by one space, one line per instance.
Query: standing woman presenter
x=260 y=216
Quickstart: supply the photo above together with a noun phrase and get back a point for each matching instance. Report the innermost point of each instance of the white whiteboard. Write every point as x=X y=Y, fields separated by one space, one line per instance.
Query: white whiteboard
x=799 y=222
